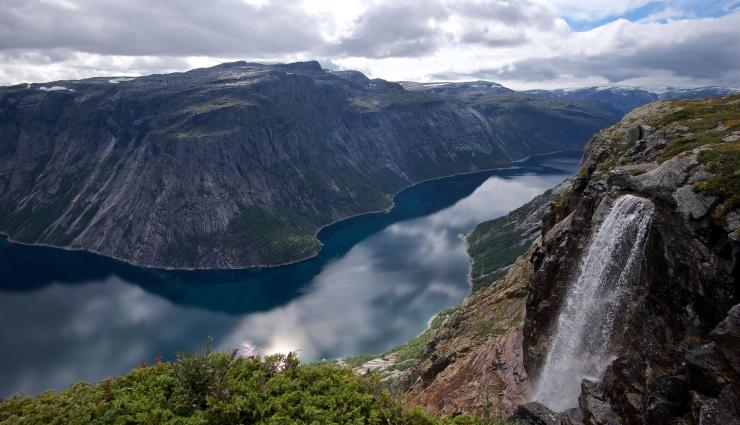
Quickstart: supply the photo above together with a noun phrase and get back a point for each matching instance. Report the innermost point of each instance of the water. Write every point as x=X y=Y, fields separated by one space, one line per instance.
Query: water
x=69 y=316
x=580 y=346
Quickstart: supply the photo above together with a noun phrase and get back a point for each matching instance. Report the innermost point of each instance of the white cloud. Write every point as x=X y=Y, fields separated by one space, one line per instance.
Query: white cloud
x=523 y=44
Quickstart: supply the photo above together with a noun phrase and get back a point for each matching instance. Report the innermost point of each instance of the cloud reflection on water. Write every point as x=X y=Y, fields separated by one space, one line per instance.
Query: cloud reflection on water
x=366 y=298
x=403 y=272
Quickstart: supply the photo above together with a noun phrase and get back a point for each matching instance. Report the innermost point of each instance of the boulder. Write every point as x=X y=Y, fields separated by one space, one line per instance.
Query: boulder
x=535 y=413
x=708 y=370
x=691 y=204
x=596 y=406
x=727 y=337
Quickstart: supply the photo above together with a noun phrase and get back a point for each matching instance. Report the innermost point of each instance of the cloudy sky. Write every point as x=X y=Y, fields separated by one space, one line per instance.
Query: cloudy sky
x=519 y=43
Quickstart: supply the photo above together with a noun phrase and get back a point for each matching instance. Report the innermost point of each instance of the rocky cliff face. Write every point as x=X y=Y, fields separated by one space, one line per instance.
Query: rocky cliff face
x=676 y=344
x=670 y=365
x=234 y=165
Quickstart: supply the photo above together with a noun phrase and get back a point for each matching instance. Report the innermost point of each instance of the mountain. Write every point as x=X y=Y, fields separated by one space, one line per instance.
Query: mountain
x=620 y=100
x=659 y=339
x=536 y=121
x=240 y=164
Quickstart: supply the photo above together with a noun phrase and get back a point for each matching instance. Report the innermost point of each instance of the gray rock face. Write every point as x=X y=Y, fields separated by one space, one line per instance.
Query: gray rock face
x=239 y=164
x=691 y=204
x=675 y=344
x=727 y=335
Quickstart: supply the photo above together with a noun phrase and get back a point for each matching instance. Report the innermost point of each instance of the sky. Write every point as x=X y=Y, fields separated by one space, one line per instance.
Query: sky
x=522 y=44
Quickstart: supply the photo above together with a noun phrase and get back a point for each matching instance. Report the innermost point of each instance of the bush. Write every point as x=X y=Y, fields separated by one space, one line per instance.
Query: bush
x=224 y=388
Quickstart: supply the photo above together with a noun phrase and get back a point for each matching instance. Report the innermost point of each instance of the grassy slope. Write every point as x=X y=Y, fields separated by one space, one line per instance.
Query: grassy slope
x=712 y=123
x=210 y=388
x=494 y=245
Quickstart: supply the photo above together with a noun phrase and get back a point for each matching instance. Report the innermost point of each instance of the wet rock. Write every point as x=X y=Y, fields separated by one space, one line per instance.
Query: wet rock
x=708 y=370
x=667 y=398
x=596 y=406
x=727 y=337
x=534 y=413
x=717 y=411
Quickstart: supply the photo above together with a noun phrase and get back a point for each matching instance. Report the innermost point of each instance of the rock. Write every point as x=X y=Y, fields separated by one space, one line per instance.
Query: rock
x=734 y=137
x=666 y=178
x=595 y=405
x=727 y=337
x=708 y=370
x=646 y=131
x=732 y=224
x=634 y=134
x=677 y=129
x=715 y=411
x=665 y=361
x=667 y=398
x=691 y=204
x=535 y=413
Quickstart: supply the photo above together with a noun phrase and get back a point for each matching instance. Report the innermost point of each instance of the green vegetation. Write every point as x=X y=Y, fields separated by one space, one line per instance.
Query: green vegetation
x=723 y=160
x=415 y=347
x=709 y=121
x=496 y=244
x=412 y=350
x=713 y=123
x=278 y=235
x=224 y=388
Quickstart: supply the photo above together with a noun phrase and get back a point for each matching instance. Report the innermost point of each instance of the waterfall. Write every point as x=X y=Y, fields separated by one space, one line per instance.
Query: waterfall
x=608 y=269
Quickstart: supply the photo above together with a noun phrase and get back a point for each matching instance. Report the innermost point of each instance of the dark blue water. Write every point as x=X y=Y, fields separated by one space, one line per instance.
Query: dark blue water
x=69 y=316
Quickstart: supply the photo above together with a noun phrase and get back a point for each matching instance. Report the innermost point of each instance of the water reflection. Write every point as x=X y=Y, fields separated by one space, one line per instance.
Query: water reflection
x=68 y=316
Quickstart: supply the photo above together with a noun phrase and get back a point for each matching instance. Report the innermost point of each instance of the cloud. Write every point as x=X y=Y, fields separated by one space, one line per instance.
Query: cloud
x=523 y=44
x=623 y=50
x=166 y=27
x=395 y=29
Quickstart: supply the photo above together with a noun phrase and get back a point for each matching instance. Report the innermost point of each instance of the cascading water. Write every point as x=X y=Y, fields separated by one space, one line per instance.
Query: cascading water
x=580 y=346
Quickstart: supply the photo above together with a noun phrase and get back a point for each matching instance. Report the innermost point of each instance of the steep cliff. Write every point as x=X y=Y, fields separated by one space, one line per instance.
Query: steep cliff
x=676 y=342
x=234 y=165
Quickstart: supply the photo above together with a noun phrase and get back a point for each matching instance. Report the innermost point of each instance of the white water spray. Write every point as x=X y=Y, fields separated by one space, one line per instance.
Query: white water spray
x=580 y=346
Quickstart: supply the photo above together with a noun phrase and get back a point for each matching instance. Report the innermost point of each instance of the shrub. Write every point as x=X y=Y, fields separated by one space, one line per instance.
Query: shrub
x=204 y=387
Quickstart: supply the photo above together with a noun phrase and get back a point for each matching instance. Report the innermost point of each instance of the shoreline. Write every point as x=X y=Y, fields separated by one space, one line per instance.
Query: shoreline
x=509 y=165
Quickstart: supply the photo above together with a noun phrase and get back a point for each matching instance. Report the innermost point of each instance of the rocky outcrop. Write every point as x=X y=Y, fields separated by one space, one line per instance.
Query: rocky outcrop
x=238 y=164
x=667 y=344
x=675 y=344
x=538 y=414
x=474 y=362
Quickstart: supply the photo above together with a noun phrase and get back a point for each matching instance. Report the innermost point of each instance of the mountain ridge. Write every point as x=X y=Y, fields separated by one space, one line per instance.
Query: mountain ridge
x=235 y=165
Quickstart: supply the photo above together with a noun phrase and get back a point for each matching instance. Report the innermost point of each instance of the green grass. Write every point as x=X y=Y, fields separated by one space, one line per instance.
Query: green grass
x=496 y=244
x=702 y=118
x=416 y=346
x=223 y=388
x=411 y=350
x=723 y=160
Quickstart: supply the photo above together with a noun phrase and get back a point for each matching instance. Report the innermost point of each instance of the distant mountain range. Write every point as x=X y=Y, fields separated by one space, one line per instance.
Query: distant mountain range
x=620 y=100
x=241 y=163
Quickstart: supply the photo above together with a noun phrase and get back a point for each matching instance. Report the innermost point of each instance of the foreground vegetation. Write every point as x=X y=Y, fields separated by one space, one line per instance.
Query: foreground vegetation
x=224 y=388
